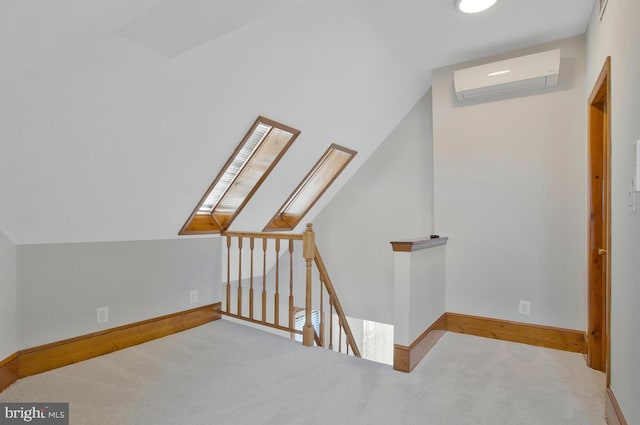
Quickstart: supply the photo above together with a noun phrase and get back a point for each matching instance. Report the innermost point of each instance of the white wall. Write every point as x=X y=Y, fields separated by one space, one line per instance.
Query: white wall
x=61 y=285
x=8 y=341
x=618 y=35
x=389 y=198
x=428 y=289
x=114 y=130
x=510 y=193
x=420 y=289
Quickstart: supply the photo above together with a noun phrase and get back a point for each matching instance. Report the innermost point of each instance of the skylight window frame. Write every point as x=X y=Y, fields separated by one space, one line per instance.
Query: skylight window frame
x=206 y=222
x=229 y=163
x=279 y=222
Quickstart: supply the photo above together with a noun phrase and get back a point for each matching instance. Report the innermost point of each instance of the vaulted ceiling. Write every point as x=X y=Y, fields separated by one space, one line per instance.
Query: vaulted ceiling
x=116 y=115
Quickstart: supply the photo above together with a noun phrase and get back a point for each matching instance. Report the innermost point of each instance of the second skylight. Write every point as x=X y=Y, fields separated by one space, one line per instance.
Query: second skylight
x=323 y=173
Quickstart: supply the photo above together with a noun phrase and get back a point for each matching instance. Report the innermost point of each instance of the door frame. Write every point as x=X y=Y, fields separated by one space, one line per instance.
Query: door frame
x=599 y=224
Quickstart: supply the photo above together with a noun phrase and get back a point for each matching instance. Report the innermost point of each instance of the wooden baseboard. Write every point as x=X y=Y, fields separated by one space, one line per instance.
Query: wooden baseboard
x=61 y=353
x=613 y=411
x=406 y=358
x=8 y=371
x=526 y=333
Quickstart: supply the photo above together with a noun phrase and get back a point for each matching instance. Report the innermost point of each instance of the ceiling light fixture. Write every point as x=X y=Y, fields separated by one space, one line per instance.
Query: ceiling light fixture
x=473 y=6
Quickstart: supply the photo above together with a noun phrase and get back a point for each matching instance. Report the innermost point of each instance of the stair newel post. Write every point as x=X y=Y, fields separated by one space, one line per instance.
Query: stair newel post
x=309 y=252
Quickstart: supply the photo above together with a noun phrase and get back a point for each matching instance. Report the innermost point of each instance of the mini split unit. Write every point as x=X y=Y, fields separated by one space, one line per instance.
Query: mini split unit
x=525 y=73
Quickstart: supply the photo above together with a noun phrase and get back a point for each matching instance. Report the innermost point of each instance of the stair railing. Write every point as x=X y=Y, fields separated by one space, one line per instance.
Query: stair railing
x=334 y=303
x=256 y=296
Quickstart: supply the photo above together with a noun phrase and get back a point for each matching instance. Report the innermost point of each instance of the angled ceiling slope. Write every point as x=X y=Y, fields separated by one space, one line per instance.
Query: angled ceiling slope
x=98 y=128
x=175 y=26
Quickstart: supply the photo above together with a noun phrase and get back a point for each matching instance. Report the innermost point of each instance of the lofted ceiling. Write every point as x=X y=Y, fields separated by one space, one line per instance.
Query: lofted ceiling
x=116 y=115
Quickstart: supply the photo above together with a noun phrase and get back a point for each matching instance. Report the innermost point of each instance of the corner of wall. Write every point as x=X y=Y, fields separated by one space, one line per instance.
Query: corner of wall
x=616 y=35
x=8 y=301
x=389 y=197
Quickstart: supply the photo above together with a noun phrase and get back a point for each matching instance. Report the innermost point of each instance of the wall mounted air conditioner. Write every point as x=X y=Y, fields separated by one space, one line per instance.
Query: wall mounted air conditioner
x=507 y=77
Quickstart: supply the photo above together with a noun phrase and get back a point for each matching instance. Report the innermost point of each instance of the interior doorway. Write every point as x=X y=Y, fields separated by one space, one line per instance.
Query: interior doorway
x=599 y=279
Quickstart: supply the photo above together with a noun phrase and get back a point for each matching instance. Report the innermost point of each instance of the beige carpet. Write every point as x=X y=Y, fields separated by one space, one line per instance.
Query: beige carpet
x=225 y=373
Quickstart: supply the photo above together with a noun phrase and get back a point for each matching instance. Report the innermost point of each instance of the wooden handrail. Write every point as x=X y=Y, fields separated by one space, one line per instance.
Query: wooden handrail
x=336 y=302
x=311 y=255
x=288 y=236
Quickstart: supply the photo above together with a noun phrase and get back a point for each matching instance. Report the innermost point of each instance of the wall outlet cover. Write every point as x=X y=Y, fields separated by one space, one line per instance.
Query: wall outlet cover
x=193 y=296
x=524 y=308
x=102 y=315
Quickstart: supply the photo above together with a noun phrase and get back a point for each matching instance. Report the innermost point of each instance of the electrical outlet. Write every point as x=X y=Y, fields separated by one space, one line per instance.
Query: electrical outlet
x=102 y=315
x=193 y=296
x=524 y=308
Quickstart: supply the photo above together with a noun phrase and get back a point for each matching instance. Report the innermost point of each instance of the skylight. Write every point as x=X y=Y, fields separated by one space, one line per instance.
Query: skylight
x=230 y=173
x=316 y=182
x=252 y=161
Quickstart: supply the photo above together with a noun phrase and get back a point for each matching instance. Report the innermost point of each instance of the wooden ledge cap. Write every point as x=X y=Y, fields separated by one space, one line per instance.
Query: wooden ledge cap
x=411 y=245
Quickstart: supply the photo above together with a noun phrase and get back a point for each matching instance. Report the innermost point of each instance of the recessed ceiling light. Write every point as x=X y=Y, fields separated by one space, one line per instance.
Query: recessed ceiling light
x=473 y=6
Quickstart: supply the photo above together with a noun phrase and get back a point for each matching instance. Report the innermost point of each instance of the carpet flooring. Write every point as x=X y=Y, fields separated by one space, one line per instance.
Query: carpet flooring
x=226 y=373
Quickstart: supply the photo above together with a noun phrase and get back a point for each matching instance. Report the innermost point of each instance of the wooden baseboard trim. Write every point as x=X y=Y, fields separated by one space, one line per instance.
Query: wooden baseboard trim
x=8 y=371
x=406 y=358
x=62 y=353
x=613 y=411
x=526 y=333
